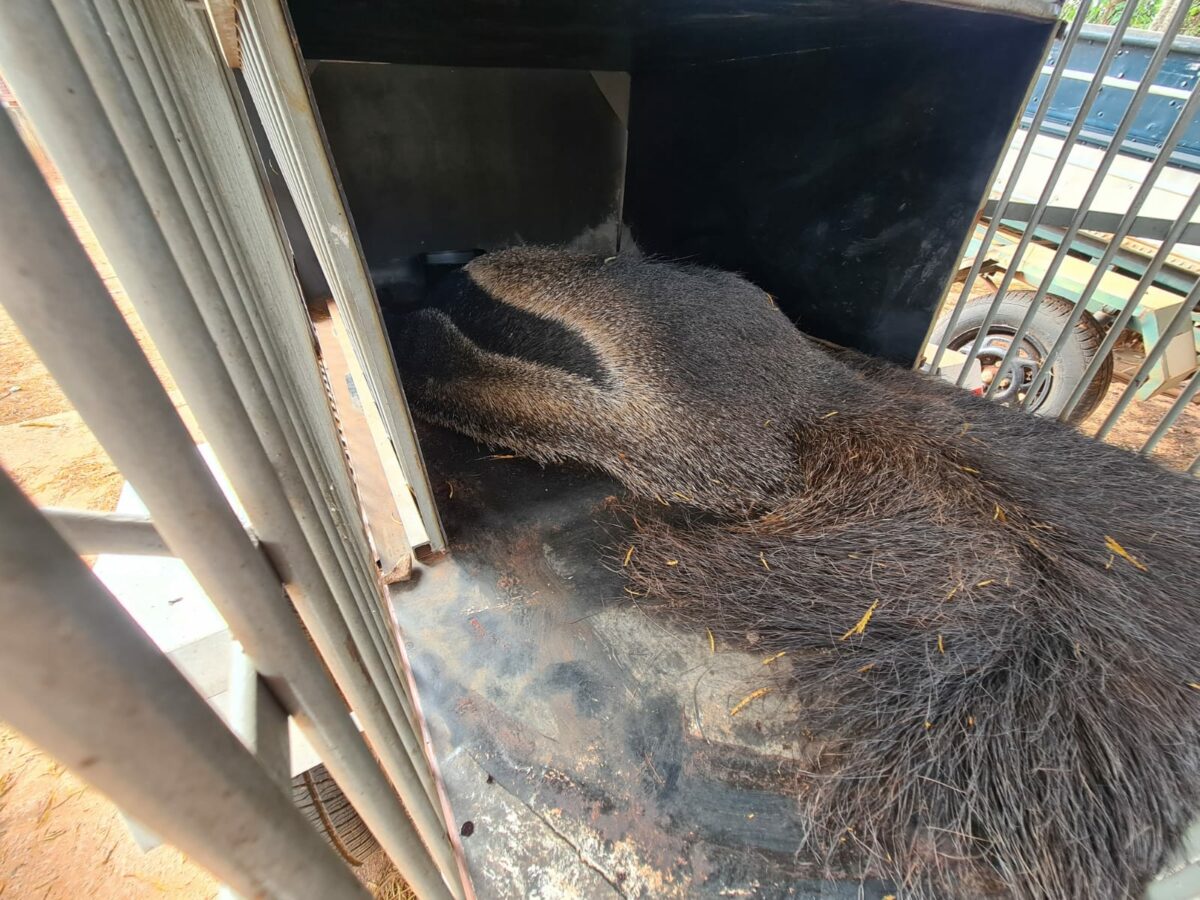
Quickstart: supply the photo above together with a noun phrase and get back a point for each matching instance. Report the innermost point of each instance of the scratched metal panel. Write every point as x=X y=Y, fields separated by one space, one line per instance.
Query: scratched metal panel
x=587 y=746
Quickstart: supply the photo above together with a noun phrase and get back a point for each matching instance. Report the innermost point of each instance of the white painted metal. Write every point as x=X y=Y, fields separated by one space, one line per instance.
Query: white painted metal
x=91 y=533
x=81 y=679
x=105 y=375
x=278 y=84
x=171 y=128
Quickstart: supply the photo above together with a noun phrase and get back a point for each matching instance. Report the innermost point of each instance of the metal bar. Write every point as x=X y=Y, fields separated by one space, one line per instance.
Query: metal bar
x=1131 y=146
x=83 y=681
x=1175 y=276
x=1181 y=125
x=1181 y=320
x=1060 y=163
x=227 y=247
x=1194 y=468
x=1006 y=195
x=286 y=161
x=1089 y=195
x=256 y=717
x=1181 y=402
x=261 y=724
x=1150 y=227
x=83 y=143
x=268 y=350
x=1137 y=37
x=92 y=533
x=226 y=314
x=1121 y=84
x=1118 y=324
x=227 y=256
x=264 y=24
x=103 y=372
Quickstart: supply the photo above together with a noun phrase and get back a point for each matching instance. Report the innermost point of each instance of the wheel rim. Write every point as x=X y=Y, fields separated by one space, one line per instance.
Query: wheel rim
x=1018 y=375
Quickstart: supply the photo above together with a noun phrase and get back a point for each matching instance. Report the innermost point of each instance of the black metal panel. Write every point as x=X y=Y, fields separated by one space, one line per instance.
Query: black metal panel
x=623 y=35
x=435 y=158
x=840 y=180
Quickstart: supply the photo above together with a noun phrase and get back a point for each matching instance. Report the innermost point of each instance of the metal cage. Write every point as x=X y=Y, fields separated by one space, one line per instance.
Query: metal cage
x=1131 y=94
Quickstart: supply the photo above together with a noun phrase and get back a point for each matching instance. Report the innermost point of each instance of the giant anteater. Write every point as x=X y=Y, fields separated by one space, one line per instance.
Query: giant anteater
x=998 y=615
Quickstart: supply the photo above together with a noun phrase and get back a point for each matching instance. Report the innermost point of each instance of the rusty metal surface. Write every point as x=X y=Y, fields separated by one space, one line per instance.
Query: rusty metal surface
x=587 y=746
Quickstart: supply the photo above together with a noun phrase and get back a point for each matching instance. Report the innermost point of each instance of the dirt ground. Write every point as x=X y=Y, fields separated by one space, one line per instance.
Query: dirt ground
x=1178 y=447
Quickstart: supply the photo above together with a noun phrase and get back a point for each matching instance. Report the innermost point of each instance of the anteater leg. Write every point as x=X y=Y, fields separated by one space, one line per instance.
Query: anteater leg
x=541 y=411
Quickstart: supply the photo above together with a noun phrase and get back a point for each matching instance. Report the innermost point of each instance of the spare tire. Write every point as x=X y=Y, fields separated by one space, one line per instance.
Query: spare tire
x=1047 y=325
x=317 y=795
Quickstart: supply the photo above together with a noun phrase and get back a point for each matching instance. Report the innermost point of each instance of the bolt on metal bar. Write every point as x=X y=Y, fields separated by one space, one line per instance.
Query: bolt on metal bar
x=104 y=373
x=1023 y=154
x=1106 y=161
x=1060 y=163
x=92 y=532
x=85 y=147
x=264 y=25
x=1181 y=402
x=1178 y=129
x=191 y=176
x=1180 y=321
x=1117 y=326
x=83 y=681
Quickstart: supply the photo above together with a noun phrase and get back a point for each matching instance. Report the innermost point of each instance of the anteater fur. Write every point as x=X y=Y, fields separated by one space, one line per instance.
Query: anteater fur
x=1023 y=699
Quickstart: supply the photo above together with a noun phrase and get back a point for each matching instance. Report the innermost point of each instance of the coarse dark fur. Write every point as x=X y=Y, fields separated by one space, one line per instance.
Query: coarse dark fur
x=1022 y=698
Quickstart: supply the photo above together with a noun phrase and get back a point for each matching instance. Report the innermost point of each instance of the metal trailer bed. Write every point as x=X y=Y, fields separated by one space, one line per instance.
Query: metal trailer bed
x=532 y=731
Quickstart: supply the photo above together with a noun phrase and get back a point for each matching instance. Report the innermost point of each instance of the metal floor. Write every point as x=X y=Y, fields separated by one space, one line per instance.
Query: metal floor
x=588 y=744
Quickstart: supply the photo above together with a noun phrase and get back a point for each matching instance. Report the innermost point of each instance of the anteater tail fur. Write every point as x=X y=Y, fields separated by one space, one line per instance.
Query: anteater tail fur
x=993 y=618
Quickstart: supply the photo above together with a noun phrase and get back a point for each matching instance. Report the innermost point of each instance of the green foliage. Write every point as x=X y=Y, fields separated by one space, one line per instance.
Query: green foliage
x=1108 y=12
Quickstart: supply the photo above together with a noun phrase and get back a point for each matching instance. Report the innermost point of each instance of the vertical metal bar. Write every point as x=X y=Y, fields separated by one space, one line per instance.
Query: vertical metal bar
x=1181 y=320
x=1106 y=161
x=1060 y=163
x=102 y=370
x=201 y=194
x=256 y=717
x=286 y=160
x=1181 y=125
x=82 y=680
x=1117 y=326
x=1035 y=125
x=269 y=409
x=82 y=142
x=1181 y=402
x=264 y=25
x=203 y=197
x=201 y=191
